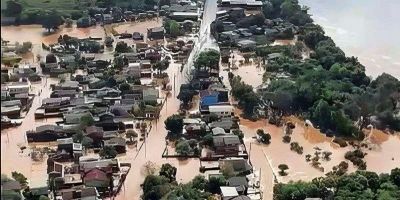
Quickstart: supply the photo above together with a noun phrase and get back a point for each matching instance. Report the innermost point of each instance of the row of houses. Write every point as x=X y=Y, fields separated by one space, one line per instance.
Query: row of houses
x=88 y=178
x=16 y=97
x=226 y=146
x=247 y=36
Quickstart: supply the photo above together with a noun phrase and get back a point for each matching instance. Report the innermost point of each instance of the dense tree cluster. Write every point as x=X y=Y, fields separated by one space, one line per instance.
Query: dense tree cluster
x=359 y=185
x=289 y=10
x=174 y=124
x=248 y=99
x=164 y=186
x=173 y=28
x=329 y=88
x=207 y=61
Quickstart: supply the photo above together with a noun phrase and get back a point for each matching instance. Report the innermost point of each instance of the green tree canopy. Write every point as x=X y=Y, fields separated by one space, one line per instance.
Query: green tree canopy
x=51 y=20
x=108 y=152
x=174 y=124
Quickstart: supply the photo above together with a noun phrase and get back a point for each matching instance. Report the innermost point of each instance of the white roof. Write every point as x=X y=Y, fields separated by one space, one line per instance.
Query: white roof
x=18 y=85
x=229 y=192
x=136 y=64
x=191 y=120
x=220 y=108
x=185 y=14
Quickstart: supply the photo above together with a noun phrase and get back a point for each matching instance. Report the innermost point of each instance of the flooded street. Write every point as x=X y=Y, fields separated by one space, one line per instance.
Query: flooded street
x=374 y=40
x=154 y=147
x=12 y=139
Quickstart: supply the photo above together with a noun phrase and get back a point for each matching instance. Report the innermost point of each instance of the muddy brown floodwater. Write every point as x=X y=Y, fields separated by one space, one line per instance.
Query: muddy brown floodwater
x=381 y=158
x=155 y=146
x=12 y=158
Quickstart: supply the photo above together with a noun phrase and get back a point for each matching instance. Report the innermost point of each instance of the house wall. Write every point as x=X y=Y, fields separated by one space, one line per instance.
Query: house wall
x=18 y=90
x=227 y=150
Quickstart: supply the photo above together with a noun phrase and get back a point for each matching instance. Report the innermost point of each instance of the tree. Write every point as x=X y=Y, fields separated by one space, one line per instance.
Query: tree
x=186 y=191
x=120 y=62
x=268 y=9
x=68 y=22
x=122 y=47
x=173 y=28
x=43 y=198
x=4 y=78
x=186 y=96
x=51 y=20
x=108 y=41
x=78 y=137
x=286 y=139
x=264 y=137
x=327 y=155
x=174 y=124
x=308 y=157
x=207 y=60
x=214 y=184
x=13 y=8
x=395 y=176
x=183 y=147
x=86 y=120
x=155 y=187
x=108 y=152
x=313 y=37
x=161 y=65
x=199 y=182
x=168 y=171
x=208 y=140
x=10 y=195
x=87 y=142
x=131 y=134
x=248 y=21
x=149 y=168
x=20 y=178
x=124 y=87
x=283 y=167
x=24 y=48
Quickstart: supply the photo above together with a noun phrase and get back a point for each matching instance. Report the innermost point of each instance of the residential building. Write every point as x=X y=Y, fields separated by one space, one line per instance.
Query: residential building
x=226 y=144
x=156 y=33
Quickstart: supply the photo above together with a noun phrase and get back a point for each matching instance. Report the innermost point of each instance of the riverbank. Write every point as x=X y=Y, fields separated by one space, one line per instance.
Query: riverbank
x=370 y=39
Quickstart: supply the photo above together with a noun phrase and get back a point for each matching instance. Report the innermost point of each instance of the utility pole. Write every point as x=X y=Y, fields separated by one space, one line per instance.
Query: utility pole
x=174 y=85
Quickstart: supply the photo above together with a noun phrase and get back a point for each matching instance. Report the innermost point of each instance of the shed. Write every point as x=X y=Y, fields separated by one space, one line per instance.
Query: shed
x=221 y=110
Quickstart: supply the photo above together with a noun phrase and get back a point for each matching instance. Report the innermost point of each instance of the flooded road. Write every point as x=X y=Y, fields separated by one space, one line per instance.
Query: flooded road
x=155 y=143
x=154 y=147
x=365 y=29
x=12 y=139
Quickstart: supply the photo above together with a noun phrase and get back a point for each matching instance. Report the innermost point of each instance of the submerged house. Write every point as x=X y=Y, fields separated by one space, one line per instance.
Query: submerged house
x=226 y=144
x=239 y=165
x=247 y=45
x=221 y=110
x=18 y=88
x=11 y=109
x=96 y=133
x=156 y=33
x=48 y=133
x=118 y=143
x=182 y=16
x=248 y=4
